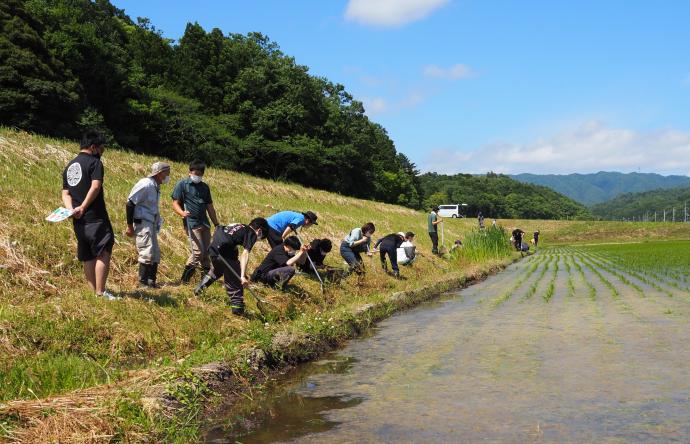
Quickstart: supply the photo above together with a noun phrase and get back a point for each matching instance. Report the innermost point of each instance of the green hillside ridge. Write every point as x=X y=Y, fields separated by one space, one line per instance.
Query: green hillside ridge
x=590 y=189
x=643 y=205
x=499 y=196
x=235 y=101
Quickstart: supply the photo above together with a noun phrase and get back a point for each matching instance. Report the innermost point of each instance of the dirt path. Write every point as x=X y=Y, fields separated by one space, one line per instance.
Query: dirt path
x=566 y=346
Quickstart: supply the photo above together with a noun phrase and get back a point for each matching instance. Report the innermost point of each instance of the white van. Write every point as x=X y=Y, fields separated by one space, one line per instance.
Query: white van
x=454 y=210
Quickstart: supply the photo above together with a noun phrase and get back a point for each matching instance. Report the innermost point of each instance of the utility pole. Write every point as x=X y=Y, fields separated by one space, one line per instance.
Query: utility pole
x=655 y=216
x=664 y=214
x=674 y=214
x=685 y=212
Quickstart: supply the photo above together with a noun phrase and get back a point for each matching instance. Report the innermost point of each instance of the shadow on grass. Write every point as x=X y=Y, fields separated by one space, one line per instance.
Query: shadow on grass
x=160 y=298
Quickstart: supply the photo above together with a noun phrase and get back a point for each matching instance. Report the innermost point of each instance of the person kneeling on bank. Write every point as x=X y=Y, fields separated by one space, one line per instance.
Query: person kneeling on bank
x=144 y=221
x=355 y=243
x=277 y=268
x=223 y=249
x=316 y=251
x=388 y=245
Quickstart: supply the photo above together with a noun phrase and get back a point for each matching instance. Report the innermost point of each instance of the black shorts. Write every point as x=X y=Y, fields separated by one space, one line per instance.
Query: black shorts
x=93 y=239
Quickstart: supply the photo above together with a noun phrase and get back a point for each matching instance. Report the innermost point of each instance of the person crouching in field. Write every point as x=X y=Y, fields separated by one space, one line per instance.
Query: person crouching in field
x=191 y=201
x=225 y=243
x=316 y=251
x=356 y=242
x=535 y=240
x=82 y=192
x=144 y=221
x=388 y=245
x=282 y=224
x=277 y=268
x=407 y=250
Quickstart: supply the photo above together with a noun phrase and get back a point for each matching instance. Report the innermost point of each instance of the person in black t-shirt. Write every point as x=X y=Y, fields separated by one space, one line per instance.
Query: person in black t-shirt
x=225 y=241
x=389 y=245
x=317 y=251
x=82 y=192
x=277 y=268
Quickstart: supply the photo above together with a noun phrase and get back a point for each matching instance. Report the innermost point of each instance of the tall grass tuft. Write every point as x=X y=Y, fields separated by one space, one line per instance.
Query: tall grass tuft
x=483 y=245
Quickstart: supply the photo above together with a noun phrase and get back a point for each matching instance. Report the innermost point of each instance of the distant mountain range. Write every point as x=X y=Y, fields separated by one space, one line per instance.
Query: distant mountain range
x=591 y=189
x=643 y=206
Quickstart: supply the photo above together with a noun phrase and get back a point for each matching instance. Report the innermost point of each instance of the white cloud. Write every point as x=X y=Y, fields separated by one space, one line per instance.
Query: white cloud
x=458 y=71
x=390 y=12
x=375 y=105
x=379 y=105
x=591 y=147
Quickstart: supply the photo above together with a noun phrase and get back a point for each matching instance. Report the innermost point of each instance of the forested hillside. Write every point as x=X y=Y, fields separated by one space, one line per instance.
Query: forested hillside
x=642 y=206
x=499 y=196
x=599 y=187
x=233 y=100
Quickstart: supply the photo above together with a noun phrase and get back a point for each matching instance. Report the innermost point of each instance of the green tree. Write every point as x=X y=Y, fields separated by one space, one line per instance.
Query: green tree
x=37 y=92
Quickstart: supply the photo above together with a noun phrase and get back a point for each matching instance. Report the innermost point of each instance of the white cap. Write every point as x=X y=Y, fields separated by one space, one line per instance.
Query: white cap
x=158 y=167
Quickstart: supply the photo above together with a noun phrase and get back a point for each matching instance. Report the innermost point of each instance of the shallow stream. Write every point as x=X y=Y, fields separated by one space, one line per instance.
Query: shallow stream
x=542 y=352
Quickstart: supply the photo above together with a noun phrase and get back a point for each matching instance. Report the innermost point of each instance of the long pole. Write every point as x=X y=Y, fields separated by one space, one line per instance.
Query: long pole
x=311 y=262
x=259 y=302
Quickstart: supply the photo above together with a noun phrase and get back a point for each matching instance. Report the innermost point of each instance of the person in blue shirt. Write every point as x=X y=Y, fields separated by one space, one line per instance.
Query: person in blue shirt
x=281 y=225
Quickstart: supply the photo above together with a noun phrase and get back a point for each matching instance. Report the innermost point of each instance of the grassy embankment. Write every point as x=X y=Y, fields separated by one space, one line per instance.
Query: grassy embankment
x=72 y=365
x=82 y=368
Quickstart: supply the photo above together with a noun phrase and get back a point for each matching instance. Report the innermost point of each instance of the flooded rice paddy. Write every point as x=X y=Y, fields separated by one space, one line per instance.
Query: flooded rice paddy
x=586 y=344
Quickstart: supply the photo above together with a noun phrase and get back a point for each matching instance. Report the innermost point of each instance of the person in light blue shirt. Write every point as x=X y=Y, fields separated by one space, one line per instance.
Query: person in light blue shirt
x=356 y=242
x=281 y=225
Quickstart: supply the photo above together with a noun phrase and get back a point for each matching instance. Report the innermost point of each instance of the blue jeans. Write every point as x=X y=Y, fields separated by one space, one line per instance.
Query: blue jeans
x=351 y=256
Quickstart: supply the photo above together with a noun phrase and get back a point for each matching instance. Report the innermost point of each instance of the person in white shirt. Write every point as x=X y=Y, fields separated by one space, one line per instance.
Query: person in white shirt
x=406 y=251
x=144 y=221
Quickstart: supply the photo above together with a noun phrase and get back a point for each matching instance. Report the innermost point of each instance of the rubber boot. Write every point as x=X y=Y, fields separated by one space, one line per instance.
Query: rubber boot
x=143 y=274
x=206 y=282
x=384 y=265
x=153 y=272
x=187 y=273
x=236 y=303
x=396 y=274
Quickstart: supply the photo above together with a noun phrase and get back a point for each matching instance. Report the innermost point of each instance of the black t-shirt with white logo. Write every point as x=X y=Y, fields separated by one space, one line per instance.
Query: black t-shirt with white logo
x=276 y=258
x=77 y=177
x=227 y=238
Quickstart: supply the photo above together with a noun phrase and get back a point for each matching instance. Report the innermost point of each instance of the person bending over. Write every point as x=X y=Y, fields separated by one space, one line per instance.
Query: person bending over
x=407 y=250
x=225 y=242
x=277 y=268
x=282 y=224
x=317 y=251
x=388 y=245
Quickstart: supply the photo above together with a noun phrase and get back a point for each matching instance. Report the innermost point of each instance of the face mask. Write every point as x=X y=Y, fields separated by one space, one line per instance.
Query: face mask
x=166 y=180
x=195 y=179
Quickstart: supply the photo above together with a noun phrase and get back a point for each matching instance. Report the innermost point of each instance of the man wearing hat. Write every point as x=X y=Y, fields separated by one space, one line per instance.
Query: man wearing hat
x=280 y=225
x=144 y=221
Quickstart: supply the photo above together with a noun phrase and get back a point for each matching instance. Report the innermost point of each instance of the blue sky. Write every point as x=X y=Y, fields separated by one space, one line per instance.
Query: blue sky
x=473 y=86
